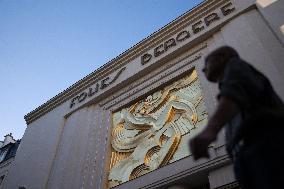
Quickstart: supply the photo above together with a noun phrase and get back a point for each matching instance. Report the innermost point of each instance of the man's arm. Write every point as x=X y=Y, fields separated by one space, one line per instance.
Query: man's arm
x=226 y=110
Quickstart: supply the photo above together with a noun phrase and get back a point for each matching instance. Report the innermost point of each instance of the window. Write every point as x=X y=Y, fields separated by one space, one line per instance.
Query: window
x=3 y=154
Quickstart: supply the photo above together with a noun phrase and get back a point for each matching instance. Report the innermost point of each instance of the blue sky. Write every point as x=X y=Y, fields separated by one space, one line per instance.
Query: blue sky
x=47 y=45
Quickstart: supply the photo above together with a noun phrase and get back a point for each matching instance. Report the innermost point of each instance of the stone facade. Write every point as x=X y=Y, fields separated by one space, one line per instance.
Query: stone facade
x=72 y=134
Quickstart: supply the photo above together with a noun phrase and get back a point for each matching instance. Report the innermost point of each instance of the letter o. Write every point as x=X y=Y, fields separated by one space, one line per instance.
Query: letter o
x=82 y=97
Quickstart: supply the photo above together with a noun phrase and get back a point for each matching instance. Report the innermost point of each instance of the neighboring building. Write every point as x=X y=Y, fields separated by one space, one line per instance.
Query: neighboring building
x=127 y=124
x=8 y=149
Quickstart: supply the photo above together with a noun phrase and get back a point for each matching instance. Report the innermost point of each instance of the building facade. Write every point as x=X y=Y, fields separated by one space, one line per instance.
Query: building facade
x=8 y=149
x=127 y=124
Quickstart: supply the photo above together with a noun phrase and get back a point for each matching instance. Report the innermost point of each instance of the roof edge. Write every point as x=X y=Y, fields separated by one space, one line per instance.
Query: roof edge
x=122 y=59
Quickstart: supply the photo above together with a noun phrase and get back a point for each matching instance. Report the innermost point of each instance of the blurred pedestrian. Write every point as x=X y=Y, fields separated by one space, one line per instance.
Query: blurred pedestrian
x=253 y=116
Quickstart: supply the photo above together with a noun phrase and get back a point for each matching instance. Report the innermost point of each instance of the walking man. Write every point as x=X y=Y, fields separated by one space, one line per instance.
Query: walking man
x=253 y=116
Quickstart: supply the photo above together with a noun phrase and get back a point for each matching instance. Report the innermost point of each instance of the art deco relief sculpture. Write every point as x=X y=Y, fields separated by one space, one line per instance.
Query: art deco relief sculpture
x=155 y=131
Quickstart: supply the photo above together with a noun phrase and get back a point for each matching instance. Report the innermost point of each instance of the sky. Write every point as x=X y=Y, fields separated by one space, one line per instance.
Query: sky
x=47 y=45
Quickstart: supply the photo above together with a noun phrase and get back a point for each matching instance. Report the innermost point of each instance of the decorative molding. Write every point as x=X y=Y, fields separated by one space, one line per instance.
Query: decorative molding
x=149 y=79
x=211 y=164
x=155 y=79
x=234 y=185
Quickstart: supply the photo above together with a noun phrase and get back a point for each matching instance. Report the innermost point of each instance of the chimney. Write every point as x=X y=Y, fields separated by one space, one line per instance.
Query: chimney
x=8 y=139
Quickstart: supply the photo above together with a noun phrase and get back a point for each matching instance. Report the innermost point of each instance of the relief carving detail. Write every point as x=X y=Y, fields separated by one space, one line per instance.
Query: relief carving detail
x=155 y=130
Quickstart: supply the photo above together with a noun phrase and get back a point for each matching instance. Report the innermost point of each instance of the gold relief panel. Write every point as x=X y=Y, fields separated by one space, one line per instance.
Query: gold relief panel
x=155 y=131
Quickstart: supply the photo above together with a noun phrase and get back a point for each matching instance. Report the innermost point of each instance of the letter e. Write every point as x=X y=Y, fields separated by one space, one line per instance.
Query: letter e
x=226 y=9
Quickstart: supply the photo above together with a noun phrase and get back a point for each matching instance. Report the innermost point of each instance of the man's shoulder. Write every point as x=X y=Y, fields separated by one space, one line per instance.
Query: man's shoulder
x=236 y=69
x=238 y=64
x=240 y=68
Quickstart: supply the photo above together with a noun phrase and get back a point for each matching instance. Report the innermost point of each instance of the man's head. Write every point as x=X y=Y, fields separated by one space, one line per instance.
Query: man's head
x=216 y=61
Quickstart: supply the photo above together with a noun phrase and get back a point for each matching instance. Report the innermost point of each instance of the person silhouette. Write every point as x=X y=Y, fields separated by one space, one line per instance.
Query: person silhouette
x=252 y=114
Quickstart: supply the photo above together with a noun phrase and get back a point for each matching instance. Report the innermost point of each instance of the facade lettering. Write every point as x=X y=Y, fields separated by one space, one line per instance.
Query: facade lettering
x=197 y=27
x=145 y=58
x=93 y=91
x=104 y=83
x=211 y=18
x=159 y=50
x=227 y=9
x=170 y=43
x=82 y=97
x=184 y=35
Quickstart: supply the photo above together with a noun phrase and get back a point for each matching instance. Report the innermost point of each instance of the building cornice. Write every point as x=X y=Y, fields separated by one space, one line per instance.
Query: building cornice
x=124 y=58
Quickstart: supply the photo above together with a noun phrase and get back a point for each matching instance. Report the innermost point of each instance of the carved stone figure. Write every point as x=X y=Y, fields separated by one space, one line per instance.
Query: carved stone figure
x=152 y=132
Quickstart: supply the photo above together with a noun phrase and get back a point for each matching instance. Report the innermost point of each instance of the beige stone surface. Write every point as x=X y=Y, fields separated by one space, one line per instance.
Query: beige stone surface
x=273 y=13
x=35 y=155
x=221 y=176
